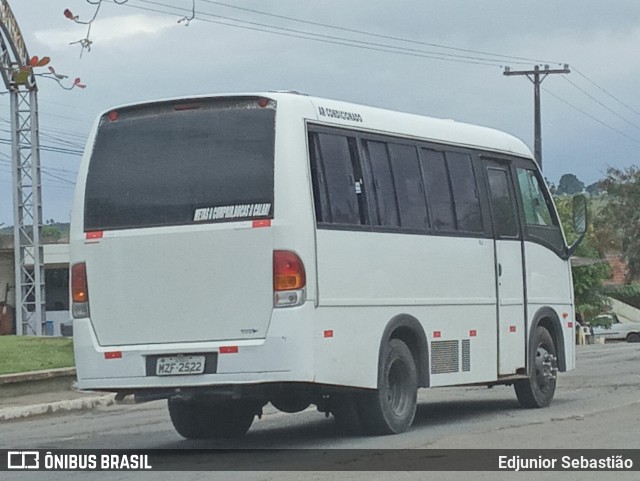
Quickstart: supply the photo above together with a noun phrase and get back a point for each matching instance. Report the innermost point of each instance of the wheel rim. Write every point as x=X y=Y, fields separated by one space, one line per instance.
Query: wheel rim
x=545 y=363
x=399 y=387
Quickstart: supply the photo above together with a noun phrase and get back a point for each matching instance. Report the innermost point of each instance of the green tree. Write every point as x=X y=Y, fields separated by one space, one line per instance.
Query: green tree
x=50 y=231
x=619 y=219
x=594 y=189
x=569 y=185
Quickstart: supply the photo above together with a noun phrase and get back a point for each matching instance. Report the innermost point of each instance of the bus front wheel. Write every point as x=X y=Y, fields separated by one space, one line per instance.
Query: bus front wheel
x=537 y=391
x=201 y=419
x=391 y=408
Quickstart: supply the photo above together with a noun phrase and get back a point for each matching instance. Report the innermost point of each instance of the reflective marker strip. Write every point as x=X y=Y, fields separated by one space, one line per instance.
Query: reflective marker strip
x=113 y=355
x=96 y=234
x=565 y=315
x=569 y=324
x=228 y=349
x=512 y=328
x=328 y=333
x=472 y=333
x=437 y=334
x=262 y=223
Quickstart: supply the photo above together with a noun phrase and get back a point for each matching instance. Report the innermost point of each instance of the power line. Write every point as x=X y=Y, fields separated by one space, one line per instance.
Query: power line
x=63 y=185
x=57 y=177
x=590 y=116
x=65 y=133
x=601 y=104
x=57 y=150
x=281 y=31
x=605 y=91
x=479 y=57
x=54 y=140
x=44 y=170
x=388 y=37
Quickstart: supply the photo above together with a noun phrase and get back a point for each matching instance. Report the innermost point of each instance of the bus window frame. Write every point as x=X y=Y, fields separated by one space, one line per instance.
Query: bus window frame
x=529 y=230
x=370 y=203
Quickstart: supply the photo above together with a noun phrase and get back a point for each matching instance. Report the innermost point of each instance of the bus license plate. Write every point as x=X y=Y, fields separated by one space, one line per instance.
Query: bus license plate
x=179 y=365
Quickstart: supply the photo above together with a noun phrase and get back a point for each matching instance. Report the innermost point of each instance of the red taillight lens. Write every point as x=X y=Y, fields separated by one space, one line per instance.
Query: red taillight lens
x=79 y=291
x=288 y=271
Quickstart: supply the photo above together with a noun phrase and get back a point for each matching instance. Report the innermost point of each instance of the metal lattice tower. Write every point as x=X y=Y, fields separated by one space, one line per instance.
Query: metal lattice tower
x=27 y=187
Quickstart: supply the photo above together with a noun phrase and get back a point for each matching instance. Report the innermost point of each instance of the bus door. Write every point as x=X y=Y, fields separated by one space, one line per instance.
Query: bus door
x=510 y=293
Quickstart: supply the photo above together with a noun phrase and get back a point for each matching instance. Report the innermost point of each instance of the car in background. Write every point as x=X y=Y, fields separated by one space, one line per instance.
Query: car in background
x=619 y=331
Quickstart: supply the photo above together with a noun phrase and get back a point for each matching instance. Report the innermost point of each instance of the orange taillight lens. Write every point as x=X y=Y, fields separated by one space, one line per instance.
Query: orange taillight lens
x=288 y=271
x=79 y=291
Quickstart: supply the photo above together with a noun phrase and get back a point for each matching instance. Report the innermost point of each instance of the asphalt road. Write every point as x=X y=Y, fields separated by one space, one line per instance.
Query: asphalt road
x=596 y=406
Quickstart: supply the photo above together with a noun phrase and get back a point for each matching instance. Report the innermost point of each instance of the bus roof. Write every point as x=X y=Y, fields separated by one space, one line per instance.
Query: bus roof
x=383 y=121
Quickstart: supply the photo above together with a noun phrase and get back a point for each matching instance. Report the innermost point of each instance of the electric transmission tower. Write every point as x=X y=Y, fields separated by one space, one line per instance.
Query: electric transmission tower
x=25 y=153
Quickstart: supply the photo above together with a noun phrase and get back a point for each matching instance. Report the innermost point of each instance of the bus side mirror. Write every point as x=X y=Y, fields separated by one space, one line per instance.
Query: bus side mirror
x=579 y=222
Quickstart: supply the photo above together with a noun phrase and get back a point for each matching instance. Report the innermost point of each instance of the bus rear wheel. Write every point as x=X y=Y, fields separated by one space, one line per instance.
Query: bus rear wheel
x=201 y=419
x=538 y=390
x=392 y=407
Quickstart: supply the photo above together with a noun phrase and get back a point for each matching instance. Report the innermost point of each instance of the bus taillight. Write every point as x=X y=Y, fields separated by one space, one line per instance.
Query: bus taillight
x=289 y=279
x=79 y=290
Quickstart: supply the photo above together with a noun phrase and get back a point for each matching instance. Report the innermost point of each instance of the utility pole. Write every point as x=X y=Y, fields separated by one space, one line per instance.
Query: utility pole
x=537 y=75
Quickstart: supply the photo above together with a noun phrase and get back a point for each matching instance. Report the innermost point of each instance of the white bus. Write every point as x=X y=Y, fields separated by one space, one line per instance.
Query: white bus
x=233 y=250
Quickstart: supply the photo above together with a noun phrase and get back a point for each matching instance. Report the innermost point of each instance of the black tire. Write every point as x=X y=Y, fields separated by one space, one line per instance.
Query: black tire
x=198 y=419
x=538 y=390
x=633 y=337
x=391 y=408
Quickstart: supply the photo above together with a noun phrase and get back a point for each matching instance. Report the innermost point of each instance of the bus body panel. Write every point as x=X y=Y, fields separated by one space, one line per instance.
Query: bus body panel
x=364 y=269
x=548 y=279
x=549 y=285
x=180 y=285
x=282 y=356
x=461 y=341
x=511 y=311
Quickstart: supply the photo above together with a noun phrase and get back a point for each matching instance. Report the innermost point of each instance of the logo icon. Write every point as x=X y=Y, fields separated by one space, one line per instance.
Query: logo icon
x=23 y=460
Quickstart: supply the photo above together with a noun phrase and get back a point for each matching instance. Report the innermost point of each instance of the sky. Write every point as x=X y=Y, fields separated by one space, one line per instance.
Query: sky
x=590 y=117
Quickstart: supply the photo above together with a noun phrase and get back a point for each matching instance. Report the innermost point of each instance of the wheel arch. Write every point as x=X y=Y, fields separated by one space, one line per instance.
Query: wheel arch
x=548 y=318
x=632 y=335
x=409 y=330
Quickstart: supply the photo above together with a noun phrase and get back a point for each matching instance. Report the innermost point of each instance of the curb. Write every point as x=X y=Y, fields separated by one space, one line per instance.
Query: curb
x=52 y=380
x=48 y=381
x=37 y=375
x=56 y=407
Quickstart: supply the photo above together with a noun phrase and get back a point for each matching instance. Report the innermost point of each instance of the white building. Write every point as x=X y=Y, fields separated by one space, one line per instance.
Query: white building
x=56 y=261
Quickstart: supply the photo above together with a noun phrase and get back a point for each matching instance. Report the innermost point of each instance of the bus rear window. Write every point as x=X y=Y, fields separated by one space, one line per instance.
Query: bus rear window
x=178 y=163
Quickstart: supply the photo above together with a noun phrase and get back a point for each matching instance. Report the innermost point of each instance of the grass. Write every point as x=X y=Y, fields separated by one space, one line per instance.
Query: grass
x=27 y=353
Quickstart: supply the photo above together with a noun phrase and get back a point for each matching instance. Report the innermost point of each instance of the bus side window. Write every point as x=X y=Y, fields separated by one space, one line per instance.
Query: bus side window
x=409 y=188
x=438 y=190
x=536 y=210
x=502 y=204
x=381 y=184
x=541 y=223
x=465 y=192
x=320 y=193
x=336 y=184
x=452 y=192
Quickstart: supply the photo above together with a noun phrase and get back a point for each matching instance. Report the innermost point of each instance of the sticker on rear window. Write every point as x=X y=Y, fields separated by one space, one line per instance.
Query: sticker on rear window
x=242 y=211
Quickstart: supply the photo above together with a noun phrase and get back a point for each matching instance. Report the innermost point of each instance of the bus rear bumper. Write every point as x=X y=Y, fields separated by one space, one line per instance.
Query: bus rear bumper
x=277 y=358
